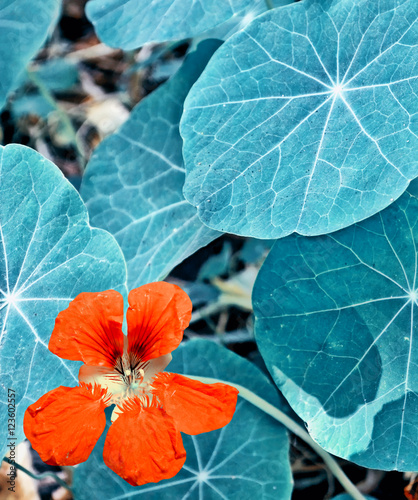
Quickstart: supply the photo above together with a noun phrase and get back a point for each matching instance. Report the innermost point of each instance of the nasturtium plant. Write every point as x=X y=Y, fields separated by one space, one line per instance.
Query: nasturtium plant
x=305 y=121
x=336 y=323
x=48 y=255
x=32 y=104
x=57 y=74
x=246 y=459
x=216 y=265
x=151 y=406
x=129 y=24
x=24 y=28
x=238 y=22
x=280 y=119
x=133 y=183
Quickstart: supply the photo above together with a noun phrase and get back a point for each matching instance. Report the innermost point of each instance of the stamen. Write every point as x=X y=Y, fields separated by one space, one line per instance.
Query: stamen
x=119 y=366
x=133 y=377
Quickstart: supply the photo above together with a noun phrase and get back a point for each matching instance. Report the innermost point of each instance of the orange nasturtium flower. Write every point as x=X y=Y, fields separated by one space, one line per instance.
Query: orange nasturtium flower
x=143 y=443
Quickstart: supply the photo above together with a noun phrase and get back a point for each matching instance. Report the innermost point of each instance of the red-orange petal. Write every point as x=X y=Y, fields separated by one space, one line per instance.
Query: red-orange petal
x=143 y=445
x=90 y=329
x=194 y=406
x=65 y=424
x=157 y=316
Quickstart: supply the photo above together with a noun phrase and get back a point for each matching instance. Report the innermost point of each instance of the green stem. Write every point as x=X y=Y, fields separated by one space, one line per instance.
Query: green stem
x=224 y=301
x=207 y=311
x=296 y=429
x=63 y=116
x=39 y=476
x=269 y=4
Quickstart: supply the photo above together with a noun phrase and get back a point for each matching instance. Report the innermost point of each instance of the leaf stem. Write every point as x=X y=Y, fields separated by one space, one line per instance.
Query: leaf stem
x=61 y=113
x=281 y=417
x=39 y=476
x=224 y=301
x=207 y=311
x=269 y=4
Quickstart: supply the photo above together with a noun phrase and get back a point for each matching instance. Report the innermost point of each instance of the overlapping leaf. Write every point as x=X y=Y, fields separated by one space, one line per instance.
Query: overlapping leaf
x=129 y=24
x=240 y=21
x=24 y=26
x=48 y=255
x=337 y=323
x=133 y=183
x=305 y=121
x=245 y=460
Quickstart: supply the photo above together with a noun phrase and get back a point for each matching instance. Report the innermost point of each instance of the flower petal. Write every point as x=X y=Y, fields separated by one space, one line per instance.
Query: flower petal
x=157 y=316
x=143 y=445
x=155 y=366
x=90 y=329
x=65 y=424
x=194 y=406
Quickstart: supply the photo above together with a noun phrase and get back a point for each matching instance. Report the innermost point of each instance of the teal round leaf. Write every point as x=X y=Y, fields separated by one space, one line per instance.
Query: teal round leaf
x=216 y=265
x=48 y=255
x=31 y=104
x=247 y=459
x=240 y=21
x=305 y=121
x=24 y=27
x=134 y=181
x=58 y=75
x=336 y=323
x=129 y=24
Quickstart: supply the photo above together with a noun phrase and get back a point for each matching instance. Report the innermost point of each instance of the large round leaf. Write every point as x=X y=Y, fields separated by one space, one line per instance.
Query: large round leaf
x=24 y=27
x=245 y=460
x=48 y=255
x=337 y=324
x=240 y=21
x=305 y=121
x=133 y=184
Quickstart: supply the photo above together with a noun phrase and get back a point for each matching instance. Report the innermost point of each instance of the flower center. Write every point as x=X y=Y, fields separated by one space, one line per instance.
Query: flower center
x=133 y=375
x=130 y=377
